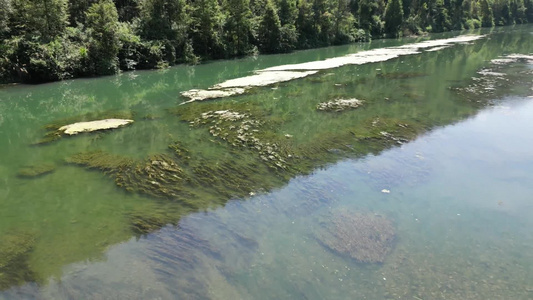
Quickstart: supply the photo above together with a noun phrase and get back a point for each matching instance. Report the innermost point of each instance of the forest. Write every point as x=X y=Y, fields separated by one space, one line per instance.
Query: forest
x=50 y=40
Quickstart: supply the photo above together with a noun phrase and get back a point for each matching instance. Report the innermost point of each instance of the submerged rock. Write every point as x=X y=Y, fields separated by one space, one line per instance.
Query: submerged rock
x=339 y=104
x=36 y=170
x=367 y=238
x=73 y=129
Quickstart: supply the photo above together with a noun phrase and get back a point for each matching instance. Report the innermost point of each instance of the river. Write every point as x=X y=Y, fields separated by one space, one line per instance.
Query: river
x=421 y=191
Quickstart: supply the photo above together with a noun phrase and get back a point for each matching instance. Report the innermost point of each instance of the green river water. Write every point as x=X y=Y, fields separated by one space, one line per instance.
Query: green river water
x=440 y=150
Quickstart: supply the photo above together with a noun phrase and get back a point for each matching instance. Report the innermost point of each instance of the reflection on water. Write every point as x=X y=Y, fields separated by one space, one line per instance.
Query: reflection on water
x=460 y=196
x=463 y=228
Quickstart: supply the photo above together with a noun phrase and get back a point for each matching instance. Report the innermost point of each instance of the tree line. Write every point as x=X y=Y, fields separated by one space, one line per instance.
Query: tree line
x=47 y=40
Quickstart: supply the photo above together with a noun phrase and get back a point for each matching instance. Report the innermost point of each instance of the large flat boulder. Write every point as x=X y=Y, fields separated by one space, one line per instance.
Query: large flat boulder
x=73 y=129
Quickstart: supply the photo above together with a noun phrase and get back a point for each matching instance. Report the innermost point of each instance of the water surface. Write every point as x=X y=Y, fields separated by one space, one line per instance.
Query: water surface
x=460 y=192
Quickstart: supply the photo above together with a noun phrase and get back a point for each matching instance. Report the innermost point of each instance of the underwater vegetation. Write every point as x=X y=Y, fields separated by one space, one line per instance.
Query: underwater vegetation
x=144 y=222
x=400 y=75
x=36 y=170
x=499 y=79
x=242 y=130
x=259 y=154
x=246 y=130
x=365 y=237
x=158 y=176
x=15 y=248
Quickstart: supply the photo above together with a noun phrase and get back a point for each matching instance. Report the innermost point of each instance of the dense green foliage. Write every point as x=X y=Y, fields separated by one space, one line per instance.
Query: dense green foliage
x=46 y=40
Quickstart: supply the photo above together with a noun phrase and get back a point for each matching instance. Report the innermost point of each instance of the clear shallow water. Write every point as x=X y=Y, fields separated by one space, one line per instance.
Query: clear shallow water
x=460 y=195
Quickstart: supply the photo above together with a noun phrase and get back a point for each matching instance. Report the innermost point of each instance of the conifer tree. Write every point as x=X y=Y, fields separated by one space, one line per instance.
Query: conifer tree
x=487 y=19
x=288 y=12
x=163 y=19
x=206 y=28
x=238 y=27
x=269 y=30
x=5 y=12
x=102 y=21
x=393 y=17
x=77 y=10
x=47 y=18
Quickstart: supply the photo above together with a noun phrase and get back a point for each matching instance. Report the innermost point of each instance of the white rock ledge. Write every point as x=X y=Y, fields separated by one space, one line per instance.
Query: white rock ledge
x=284 y=73
x=79 y=127
x=262 y=78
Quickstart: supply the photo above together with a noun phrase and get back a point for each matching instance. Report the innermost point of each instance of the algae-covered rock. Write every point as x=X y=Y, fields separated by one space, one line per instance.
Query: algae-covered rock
x=85 y=123
x=36 y=170
x=365 y=237
x=73 y=129
x=339 y=105
x=14 y=251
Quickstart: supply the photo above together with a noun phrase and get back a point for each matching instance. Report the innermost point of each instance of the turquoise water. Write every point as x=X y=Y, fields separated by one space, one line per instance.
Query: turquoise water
x=459 y=192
